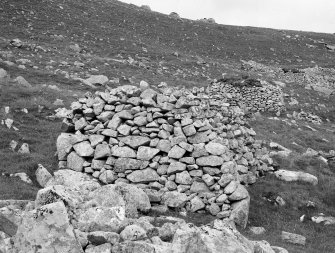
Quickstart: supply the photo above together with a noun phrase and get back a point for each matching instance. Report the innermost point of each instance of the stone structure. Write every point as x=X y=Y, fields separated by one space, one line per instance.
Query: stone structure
x=249 y=94
x=183 y=148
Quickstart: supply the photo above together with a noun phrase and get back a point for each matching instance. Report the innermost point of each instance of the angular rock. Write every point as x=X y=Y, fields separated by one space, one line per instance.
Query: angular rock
x=209 y=161
x=164 y=145
x=73 y=179
x=216 y=148
x=135 y=141
x=146 y=153
x=108 y=219
x=108 y=177
x=293 y=238
x=123 y=152
x=123 y=164
x=84 y=149
x=196 y=204
x=75 y=162
x=199 y=187
x=176 y=152
x=63 y=145
x=102 y=151
x=42 y=175
x=174 y=199
x=175 y=167
x=143 y=176
x=183 y=178
x=240 y=193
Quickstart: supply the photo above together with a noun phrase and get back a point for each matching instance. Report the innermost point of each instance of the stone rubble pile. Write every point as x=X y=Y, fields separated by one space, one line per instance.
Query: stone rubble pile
x=183 y=148
x=74 y=213
x=251 y=97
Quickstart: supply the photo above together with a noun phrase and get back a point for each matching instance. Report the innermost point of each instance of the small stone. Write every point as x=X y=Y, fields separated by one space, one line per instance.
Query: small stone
x=231 y=187
x=133 y=233
x=196 y=204
x=176 y=152
x=175 y=167
x=143 y=176
x=146 y=153
x=189 y=130
x=174 y=199
x=199 y=187
x=108 y=177
x=257 y=230
x=84 y=149
x=183 y=178
x=240 y=193
x=208 y=179
x=123 y=152
x=214 y=209
x=75 y=162
x=102 y=151
x=164 y=145
x=24 y=149
x=209 y=161
x=216 y=148
x=124 y=129
x=135 y=141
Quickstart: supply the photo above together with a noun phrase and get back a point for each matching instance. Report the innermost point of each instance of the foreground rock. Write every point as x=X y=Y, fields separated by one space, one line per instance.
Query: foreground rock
x=108 y=219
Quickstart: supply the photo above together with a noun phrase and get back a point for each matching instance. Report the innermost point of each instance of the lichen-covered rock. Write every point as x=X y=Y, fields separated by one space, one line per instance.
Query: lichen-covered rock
x=47 y=229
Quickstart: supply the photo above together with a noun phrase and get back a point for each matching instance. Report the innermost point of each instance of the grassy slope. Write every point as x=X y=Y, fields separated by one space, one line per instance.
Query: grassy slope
x=111 y=29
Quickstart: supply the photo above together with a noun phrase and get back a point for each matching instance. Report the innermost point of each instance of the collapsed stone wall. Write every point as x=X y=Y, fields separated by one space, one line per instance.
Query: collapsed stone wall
x=253 y=98
x=184 y=148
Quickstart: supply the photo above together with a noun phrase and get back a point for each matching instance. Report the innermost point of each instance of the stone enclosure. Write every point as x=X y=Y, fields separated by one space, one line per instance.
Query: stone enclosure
x=185 y=149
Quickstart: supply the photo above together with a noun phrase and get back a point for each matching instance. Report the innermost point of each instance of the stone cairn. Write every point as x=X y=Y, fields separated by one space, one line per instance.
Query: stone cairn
x=185 y=149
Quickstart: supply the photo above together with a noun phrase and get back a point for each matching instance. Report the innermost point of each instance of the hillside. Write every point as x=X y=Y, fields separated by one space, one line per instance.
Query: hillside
x=55 y=44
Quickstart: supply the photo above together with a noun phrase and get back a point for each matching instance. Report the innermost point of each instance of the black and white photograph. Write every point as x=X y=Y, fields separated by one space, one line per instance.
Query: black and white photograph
x=176 y=126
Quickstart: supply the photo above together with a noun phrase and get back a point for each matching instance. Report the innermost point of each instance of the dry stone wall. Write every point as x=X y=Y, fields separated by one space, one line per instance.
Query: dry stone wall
x=184 y=148
x=254 y=98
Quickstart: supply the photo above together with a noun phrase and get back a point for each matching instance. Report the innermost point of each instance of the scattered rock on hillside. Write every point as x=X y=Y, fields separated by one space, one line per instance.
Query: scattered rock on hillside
x=3 y=74
x=24 y=149
x=23 y=176
x=22 y=82
x=326 y=220
x=300 y=176
x=96 y=80
x=257 y=230
x=293 y=238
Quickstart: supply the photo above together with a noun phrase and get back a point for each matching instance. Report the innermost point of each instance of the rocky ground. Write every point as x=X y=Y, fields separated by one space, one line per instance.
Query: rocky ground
x=54 y=57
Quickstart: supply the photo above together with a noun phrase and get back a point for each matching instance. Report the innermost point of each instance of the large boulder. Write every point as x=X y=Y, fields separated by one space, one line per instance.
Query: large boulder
x=73 y=179
x=46 y=229
x=190 y=239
